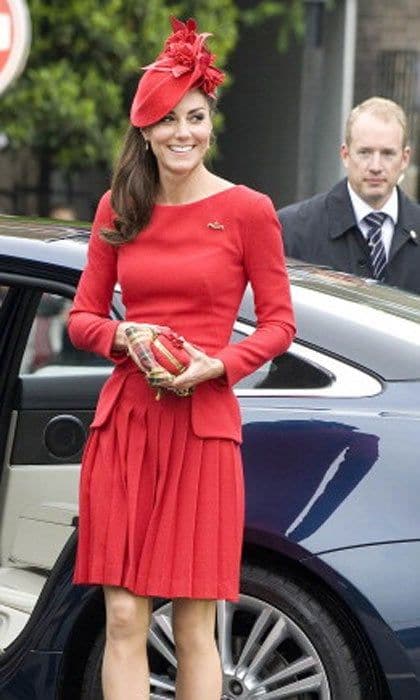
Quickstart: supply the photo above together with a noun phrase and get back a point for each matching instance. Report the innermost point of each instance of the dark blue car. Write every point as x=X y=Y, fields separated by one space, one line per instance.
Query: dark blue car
x=330 y=593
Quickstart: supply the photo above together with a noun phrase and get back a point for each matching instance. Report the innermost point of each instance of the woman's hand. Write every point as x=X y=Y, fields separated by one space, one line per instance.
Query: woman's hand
x=141 y=354
x=120 y=338
x=201 y=368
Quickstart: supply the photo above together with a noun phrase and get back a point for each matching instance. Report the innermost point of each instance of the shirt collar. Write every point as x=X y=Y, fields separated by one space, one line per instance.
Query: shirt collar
x=361 y=209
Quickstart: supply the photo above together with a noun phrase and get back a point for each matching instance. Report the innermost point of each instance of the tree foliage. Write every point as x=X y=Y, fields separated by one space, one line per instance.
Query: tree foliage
x=70 y=106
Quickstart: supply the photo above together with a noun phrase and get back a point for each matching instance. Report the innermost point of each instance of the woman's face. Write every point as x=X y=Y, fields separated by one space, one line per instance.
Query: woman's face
x=182 y=137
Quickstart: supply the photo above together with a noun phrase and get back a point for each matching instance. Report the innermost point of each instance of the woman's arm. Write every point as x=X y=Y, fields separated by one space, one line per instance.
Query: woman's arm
x=266 y=270
x=89 y=325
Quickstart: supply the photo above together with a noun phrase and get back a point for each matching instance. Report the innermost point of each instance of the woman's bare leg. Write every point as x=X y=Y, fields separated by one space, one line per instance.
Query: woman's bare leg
x=125 y=671
x=199 y=674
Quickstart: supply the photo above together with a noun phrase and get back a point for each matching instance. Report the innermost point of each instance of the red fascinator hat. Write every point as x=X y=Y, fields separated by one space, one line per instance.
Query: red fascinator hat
x=184 y=63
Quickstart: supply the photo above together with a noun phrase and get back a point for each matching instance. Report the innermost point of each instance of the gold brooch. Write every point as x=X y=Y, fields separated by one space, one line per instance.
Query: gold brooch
x=216 y=226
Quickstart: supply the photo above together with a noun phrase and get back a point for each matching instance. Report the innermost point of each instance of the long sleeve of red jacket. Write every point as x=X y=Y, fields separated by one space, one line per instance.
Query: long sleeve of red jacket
x=89 y=325
x=265 y=268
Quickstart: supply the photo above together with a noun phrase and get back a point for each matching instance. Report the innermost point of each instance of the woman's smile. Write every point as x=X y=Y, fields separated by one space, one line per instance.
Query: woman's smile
x=181 y=149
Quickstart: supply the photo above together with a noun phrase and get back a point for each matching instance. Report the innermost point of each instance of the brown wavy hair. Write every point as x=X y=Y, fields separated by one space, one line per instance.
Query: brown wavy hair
x=135 y=185
x=133 y=189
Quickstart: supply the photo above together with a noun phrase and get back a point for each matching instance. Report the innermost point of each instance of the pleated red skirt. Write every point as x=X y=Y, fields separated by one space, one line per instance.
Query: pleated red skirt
x=161 y=510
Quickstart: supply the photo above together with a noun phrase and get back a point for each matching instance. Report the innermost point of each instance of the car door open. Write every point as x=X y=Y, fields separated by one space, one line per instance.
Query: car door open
x=52 y=400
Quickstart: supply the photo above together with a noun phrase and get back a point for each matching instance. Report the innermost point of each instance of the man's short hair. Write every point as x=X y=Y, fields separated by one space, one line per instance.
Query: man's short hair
x=382 y=108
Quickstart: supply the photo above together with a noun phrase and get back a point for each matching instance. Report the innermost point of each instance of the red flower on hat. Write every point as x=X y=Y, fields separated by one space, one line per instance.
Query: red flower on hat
x=211 y=79
x=185 y=52
x=183 y=32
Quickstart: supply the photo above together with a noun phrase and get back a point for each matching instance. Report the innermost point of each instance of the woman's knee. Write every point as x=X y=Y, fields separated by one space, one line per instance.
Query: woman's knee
x=127 y=615
x=194 y=627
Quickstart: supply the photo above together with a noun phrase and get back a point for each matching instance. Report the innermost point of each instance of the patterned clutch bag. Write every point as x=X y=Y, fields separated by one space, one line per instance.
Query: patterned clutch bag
x=159 y=352
x=168 y=350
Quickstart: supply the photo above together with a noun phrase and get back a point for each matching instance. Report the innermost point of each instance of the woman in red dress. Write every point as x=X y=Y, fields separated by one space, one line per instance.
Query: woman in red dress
x=161 y=492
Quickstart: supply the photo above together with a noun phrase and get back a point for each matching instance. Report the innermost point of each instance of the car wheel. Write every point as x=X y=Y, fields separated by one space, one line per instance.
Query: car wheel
x=285 y=643
x=277 y=641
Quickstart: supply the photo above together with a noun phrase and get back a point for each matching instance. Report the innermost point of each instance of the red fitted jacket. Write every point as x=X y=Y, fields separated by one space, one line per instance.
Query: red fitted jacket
x=188 y=270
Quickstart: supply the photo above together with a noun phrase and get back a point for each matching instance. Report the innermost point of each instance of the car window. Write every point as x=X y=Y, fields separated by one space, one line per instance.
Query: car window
x=49 y=349
x=287 y=371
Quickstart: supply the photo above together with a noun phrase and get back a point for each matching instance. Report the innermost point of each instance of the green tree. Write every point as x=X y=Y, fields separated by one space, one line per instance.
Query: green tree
x=70 y=106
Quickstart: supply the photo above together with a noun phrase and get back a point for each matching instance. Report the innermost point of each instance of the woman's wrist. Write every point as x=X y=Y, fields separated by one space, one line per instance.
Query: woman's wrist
x=120 y=339
x=218 y=368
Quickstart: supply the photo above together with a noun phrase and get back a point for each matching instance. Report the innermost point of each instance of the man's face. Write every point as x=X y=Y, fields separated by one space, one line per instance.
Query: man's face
x=375 y=158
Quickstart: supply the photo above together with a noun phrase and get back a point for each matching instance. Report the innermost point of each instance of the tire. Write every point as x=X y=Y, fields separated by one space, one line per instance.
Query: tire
x=92 y=684
x=279 y=640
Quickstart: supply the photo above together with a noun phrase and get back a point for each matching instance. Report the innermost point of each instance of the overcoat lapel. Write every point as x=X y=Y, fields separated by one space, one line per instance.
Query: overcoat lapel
x=339 y=210
x=405 y=231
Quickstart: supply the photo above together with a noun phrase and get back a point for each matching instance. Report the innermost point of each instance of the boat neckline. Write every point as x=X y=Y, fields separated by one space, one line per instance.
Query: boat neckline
x=198 y=201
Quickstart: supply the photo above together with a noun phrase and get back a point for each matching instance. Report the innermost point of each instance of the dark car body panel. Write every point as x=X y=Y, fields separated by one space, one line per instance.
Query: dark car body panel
x=339 y=451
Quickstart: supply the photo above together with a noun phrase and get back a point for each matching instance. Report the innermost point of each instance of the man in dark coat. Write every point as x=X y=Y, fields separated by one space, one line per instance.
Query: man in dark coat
x=365 y=224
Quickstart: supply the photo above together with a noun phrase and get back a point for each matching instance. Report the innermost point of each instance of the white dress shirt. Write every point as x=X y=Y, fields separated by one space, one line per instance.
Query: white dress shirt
x=390 y=208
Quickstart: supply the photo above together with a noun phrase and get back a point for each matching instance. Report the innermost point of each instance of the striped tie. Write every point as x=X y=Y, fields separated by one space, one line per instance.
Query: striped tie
x=375 y=221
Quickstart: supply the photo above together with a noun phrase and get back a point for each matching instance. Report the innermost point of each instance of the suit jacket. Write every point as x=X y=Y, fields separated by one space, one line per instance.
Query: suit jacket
x=322 y=230
x=182 y=271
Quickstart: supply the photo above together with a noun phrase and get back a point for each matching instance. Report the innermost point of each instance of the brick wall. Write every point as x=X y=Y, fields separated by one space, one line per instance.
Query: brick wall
x=386 y=26
x=382 y=25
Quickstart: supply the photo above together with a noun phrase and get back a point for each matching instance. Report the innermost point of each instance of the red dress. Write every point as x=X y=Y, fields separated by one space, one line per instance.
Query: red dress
x=161 y=490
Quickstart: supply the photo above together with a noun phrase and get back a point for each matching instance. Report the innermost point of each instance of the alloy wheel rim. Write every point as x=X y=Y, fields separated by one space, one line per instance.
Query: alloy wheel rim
x=265 y=655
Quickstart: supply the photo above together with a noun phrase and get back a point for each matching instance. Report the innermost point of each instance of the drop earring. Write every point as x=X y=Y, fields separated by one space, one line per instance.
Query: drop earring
x=146 y=143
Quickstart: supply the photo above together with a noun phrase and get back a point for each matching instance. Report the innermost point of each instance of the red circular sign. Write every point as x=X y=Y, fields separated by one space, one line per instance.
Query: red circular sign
x=15 y=36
